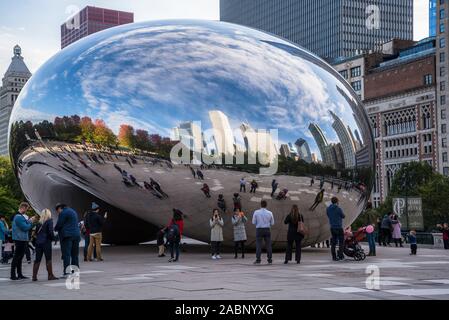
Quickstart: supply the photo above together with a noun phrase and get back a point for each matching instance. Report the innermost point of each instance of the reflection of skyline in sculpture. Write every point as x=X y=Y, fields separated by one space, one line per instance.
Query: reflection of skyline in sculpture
x=303 y=150
x=323 y=145
x=347 y=144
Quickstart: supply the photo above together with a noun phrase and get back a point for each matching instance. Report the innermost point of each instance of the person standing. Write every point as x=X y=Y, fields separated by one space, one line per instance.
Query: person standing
x=396 y=235
x=69 y=236
x=387 y=227
x=237 y=200
x=413 y=242
x=312 y=181
x=20 y=235
x=293 y=235
x=175 y=230
x=161 y=242
x=370 y=222
x=95 y=222
x=445 y=230
x=379 y=231
x=3 y=233
x=206 y=190
x=238 y=222
x=336 y=216
x=44 y=238
x=216 y=233
x=263 y=220
x=254 y=186
x=242 y=185
x=274 y=187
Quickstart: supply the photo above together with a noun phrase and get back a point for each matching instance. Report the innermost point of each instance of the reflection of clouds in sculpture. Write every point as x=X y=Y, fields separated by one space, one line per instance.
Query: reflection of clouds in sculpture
x=192 y=61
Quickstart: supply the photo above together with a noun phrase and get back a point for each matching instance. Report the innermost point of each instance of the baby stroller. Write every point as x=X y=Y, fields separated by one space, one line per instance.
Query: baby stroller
x=352 y=247
x=282 y=195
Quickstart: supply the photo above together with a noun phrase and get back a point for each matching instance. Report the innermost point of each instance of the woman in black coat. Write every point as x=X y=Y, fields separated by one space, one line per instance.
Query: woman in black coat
x=292 y=220
x=44 y=238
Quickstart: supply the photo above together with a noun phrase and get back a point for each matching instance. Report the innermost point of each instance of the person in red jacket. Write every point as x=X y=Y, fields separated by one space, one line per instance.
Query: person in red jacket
x=445 y=230
x=178 y=218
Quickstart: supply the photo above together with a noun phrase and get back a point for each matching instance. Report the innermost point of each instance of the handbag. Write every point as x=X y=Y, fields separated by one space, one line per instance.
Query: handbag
x=302 y=229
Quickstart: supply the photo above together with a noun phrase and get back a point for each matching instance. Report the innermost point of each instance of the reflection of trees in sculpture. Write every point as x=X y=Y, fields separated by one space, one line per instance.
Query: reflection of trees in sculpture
x=103 y=135
x=126 y=136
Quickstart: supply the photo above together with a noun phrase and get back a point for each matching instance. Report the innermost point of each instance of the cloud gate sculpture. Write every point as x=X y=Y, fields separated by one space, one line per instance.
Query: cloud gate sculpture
x=150 y=117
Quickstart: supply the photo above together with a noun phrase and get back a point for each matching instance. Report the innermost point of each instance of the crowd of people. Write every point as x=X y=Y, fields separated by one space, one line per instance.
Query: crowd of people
x=41 y=231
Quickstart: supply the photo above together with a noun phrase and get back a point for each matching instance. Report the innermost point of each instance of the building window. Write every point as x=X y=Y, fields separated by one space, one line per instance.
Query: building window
x=357 y=85
x=443 y=100
x=428 y=79
x=442 y=71
x=442 y=14
x=442 y=27
x=356 y=72
x=443 y=128
x=344 y=74
x=442 y=85
x=444 y=142
x=446 y=171
x=443 y=114
x=442 y=43
x=444 y=156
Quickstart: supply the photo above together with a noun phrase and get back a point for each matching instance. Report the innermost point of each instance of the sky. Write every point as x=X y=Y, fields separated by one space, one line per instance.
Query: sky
x=35 y=25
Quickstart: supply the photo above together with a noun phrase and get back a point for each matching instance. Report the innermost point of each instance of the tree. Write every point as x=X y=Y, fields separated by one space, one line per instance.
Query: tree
x=103 y=135
x=10 y=193
x=142 y=140
x=87 y=129
x=126 y=136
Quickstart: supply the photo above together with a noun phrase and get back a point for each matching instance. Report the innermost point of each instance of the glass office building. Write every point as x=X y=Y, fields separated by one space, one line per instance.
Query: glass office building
x=330 y=29
x=432 y=18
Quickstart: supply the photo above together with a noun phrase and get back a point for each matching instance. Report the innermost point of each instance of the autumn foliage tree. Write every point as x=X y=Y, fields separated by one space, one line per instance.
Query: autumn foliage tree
x=126 y=136
x=103 y=135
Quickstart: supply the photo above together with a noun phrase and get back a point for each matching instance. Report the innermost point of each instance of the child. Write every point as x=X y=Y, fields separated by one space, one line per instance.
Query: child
x=161 y=242
x=7 y=251
x=412 y=241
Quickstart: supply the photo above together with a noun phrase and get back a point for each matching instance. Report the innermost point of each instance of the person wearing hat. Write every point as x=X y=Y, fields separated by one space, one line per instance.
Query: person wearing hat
x=95 y=222
x=69 y=235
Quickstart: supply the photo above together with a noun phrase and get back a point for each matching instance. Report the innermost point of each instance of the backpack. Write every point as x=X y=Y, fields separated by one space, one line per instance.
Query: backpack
x=173 y=233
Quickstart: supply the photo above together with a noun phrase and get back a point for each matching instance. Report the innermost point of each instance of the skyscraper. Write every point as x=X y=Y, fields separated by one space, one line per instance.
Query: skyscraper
x=330 y=29
x=432 y=18
x=326 y=150
x=91 y=20
x=303 y=150
x=12 y=83
x=346 y=141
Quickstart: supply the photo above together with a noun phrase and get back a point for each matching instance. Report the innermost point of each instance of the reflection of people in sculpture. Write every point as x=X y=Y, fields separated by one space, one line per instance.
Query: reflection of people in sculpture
x=158 y=187
x=193 y=172
x=221 y=203
x=254 y=186
x=150 y=188
x=206 y=190
x=237 y=201
x=129 y=162
x=242 y=185
x=282 y=194
x=318 y=199
x=322 y=183
x=312 y=181
x=199 y=174
x=274 y=186
x=339 y=188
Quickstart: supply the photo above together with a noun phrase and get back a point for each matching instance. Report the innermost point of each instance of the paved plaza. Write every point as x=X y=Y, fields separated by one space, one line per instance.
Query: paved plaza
x=137 y=273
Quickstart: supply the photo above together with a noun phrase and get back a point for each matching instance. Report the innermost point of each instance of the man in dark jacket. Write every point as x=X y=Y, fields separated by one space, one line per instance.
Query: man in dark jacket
x=386 y=228
x=69 y=236
x=95 y=222
x=336 y=216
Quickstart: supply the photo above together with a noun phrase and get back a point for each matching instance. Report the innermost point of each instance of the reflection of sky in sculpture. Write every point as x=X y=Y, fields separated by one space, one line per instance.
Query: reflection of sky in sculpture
x=155 y=75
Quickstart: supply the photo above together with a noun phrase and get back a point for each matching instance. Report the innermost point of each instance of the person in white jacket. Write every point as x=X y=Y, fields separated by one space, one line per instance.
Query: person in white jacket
x=216 y=233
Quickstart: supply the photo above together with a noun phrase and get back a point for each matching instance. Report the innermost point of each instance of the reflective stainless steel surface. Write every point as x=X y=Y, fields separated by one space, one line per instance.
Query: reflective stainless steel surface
x=211 y=85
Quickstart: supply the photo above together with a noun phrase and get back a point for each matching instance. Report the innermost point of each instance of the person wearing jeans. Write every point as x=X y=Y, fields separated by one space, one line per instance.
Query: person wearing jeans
x=69 y=236
x=336 y=216
x=263 y=220
x=20 y=234
x=3 y=233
